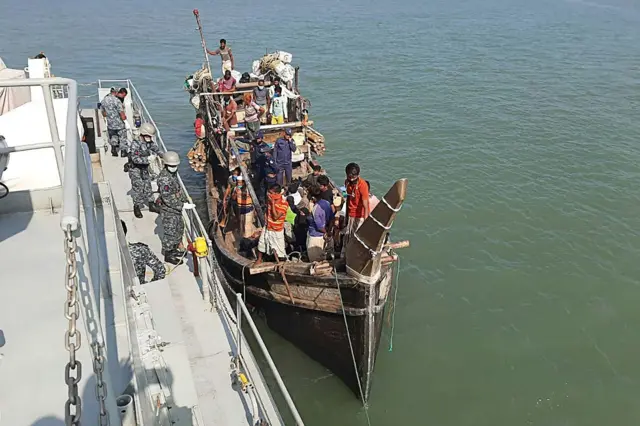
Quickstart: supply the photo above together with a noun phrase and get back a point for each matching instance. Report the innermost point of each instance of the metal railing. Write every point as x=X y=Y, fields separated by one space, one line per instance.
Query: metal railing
x=212 y=287
x=74 y=177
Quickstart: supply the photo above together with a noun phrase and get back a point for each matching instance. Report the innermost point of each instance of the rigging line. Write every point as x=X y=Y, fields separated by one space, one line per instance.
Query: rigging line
x=353 y=356
x=395 y=297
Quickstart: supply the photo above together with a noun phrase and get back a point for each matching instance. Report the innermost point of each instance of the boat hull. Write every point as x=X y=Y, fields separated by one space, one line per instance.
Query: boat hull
x=320 y=332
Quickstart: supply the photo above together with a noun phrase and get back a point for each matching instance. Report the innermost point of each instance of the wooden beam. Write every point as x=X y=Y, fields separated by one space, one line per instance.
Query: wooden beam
x=397 y=245
x=262 y=268
x=273 y=126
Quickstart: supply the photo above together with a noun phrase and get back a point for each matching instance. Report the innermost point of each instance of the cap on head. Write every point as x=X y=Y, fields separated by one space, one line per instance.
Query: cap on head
x=287 y=132
x=113 y=90
x=171 y=158
x=147 y=129
x=259 y=135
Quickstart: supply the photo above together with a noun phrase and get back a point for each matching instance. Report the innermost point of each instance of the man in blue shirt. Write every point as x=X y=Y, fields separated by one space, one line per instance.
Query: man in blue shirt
x=282 y=151
x=321 y=215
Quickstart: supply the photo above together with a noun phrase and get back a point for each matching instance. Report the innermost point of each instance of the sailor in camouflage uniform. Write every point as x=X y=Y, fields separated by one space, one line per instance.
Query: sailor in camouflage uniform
x=141 y=149
x=173 y=201
x=113 y=110
x=142 y=257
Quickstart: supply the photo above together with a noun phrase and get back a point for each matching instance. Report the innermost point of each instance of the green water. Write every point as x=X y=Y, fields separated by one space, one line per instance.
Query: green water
x=516 y=123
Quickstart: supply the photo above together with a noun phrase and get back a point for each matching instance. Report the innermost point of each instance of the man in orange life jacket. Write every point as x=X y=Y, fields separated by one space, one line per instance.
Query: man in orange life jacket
x=272 y=237
x=242 y=207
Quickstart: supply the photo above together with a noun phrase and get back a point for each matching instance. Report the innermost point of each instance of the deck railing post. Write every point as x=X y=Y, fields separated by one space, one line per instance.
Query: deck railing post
x=53 y=126
x=239 y=304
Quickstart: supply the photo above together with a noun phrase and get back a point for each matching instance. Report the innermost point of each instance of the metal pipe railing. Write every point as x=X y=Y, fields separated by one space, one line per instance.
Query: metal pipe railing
x=70 y=206
x=267 y=356
x=31 y=147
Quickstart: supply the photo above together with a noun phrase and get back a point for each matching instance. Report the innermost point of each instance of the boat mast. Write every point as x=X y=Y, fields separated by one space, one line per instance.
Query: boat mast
x=204 y=43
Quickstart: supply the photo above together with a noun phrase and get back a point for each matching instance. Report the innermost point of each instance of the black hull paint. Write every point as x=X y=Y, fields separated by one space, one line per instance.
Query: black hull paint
x=319 y=334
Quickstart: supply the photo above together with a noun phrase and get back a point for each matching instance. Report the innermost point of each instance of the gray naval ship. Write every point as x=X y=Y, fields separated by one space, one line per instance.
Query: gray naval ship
x=82 y=340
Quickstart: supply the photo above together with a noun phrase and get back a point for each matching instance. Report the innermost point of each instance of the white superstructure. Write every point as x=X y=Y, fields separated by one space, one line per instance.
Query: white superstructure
x=162 y=353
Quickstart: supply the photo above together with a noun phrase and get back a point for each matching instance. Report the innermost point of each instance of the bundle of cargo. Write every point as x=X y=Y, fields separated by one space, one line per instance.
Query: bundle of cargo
x=197 y=156
x=278 y=63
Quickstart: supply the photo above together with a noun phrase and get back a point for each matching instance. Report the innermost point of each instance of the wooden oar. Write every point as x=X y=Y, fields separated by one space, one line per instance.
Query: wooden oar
x=284 y=277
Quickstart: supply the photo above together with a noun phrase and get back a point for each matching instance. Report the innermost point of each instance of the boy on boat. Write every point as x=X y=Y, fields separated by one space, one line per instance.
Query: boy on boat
x=278 y=108
x=272 y=238
x=312 y=179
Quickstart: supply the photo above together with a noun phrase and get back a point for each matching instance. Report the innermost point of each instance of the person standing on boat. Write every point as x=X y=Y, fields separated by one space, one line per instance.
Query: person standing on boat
x=142 y=257
x=262 y=98
x=272 y=237
x=227 y=83
x=278 y=108
x=282 y=152
x=243 y=207
x=275 y=84
x=312 y=178
x=141 y=150
x=224 y=51
x=321 y=216
x=326 y=193
x=113 y=110
x=172 y=200
x=252 y=114
x=229 y=109
x=357 y=202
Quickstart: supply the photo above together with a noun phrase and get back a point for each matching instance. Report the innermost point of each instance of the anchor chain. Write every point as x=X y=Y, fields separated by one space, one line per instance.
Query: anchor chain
x=101 y=386
x=72 y=340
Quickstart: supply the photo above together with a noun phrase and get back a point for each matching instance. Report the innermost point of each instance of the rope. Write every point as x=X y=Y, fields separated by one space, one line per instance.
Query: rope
x=379 y=223
x=393 y=315
x=353 y=356
x=373 y=252
x=388 y=205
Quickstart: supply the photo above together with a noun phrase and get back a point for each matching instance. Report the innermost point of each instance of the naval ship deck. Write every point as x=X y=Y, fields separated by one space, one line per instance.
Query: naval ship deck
x=165 y=343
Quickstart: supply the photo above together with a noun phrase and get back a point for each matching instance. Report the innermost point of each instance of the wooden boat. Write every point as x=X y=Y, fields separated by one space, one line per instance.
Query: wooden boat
x=333 y=310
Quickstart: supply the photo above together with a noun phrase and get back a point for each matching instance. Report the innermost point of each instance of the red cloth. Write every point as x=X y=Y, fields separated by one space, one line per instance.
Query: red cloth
x=198 y=126
x=357 y=191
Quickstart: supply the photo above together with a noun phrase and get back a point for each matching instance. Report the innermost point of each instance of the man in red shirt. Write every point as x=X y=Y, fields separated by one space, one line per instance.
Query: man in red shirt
x=357 y=202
